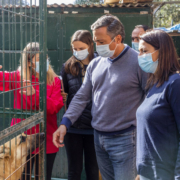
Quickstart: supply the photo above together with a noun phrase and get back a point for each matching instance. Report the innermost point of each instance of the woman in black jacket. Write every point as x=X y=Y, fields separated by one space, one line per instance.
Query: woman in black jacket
x=79 y=140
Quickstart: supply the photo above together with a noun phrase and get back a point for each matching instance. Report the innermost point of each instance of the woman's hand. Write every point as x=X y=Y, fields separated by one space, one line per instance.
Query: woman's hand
x=64 y=95
x=0 y=67
x=137 y=177
x=29 y=89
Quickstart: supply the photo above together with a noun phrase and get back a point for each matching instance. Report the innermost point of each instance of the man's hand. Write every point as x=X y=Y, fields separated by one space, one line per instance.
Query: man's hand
x=137 y=177
x=58 y=136
x=64 y=95
x=0 y=67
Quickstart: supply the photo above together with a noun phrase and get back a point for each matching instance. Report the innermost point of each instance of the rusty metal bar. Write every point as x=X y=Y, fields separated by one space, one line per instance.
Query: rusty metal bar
x=7 y=133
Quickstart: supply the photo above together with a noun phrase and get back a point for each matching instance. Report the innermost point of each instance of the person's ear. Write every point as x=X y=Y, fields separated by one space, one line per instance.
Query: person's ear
x=118 y=39
x=155 y=55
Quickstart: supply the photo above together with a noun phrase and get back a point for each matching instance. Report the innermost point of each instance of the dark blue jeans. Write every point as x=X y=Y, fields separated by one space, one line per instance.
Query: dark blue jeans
x=116 y=155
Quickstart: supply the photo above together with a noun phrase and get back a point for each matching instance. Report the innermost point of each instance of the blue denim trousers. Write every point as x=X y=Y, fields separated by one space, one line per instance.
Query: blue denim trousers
x=116 y=155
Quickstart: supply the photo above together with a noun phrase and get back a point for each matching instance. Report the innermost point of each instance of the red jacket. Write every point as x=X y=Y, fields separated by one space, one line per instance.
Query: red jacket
x=54 y=103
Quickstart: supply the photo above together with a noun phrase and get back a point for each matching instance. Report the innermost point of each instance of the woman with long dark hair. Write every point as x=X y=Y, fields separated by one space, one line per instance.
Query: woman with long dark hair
x=158 y=117
x=79 y=140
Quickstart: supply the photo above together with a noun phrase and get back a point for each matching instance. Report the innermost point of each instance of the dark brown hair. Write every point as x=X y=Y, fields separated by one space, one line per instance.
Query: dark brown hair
x=72 y=65
x=167 y=61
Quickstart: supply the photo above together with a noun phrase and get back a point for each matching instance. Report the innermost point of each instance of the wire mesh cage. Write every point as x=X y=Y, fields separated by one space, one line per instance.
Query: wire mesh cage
x=20 y=151
x=23 y=69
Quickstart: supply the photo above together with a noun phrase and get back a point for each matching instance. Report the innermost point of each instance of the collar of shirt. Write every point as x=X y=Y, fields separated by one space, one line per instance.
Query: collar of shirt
x=120 y=55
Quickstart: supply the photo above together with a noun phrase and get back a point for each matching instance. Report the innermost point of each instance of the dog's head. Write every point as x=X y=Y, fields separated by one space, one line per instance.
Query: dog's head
x=21 y=146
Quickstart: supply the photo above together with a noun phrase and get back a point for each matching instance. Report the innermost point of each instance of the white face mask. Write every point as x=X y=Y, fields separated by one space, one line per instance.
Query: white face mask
x=37 y=66
x=104 y=51
x=81 y=55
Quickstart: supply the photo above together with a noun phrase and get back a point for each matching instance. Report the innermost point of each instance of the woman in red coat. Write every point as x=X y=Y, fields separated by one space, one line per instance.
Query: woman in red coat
x=30 y=63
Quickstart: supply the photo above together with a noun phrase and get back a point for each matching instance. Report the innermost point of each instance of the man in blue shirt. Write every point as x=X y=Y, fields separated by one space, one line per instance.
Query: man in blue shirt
x=115 y=83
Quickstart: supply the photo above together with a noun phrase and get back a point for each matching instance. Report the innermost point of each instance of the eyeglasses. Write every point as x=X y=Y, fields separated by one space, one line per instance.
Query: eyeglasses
x=135 y=38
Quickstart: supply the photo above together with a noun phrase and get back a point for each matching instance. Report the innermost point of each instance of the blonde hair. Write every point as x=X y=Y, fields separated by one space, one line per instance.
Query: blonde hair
x=28 y=53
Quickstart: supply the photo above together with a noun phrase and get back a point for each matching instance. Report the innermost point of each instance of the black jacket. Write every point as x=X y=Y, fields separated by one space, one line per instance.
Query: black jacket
x=71 y=85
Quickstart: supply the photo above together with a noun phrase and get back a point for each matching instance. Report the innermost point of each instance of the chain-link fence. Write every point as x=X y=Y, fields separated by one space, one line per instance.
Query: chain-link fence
x=22 y=89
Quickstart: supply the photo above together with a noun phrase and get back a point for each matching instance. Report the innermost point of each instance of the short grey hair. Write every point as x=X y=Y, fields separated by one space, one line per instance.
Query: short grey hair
x=145 y=27
x=113 y=24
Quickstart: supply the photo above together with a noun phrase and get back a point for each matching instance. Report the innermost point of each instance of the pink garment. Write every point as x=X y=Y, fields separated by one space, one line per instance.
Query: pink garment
x=54 y=103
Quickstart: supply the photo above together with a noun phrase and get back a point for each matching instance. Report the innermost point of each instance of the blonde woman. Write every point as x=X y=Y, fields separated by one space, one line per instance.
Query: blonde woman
x=30 y=76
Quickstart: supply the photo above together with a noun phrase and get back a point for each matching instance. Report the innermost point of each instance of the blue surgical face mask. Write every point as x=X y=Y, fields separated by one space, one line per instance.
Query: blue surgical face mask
x=37 y=66
x=147 y=64
x=104 y=51
x=135 y=46
x=81 y=55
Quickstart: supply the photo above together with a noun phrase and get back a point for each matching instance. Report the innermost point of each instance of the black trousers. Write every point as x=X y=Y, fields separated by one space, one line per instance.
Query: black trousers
x=35 y=160
x=76 y=145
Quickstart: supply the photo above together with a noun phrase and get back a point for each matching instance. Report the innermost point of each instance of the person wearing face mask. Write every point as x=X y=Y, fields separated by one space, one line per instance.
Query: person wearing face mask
x=137 y=32
x=115 y=83
x=79 y=140
x=158 y=117
x=28 y=98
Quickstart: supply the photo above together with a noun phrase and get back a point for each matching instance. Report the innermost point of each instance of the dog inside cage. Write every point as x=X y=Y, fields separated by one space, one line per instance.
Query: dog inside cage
x=17 y=153
x=22 y=99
